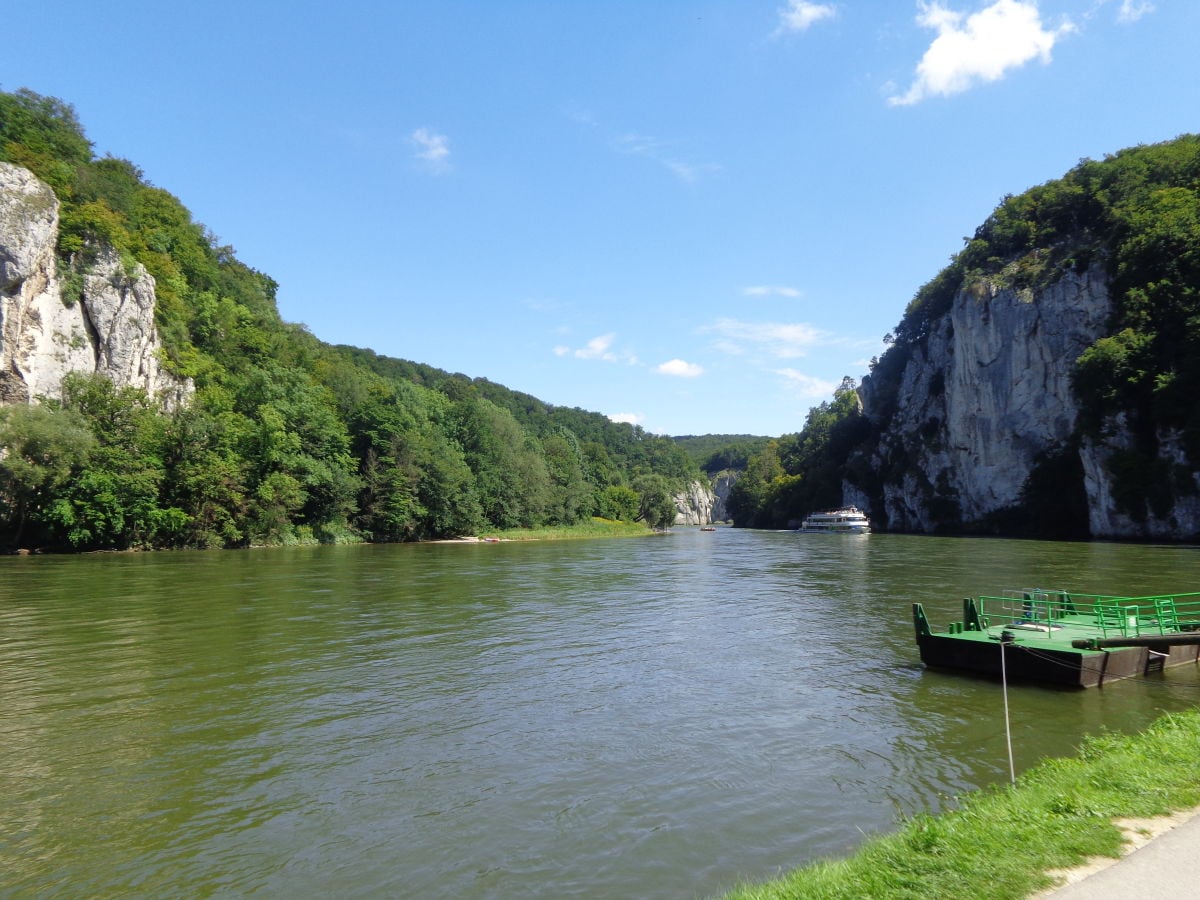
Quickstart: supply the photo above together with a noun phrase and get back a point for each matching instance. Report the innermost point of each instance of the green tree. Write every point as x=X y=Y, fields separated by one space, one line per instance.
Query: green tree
x=747 y=497
x=115 y=498
x=298 y=434
x=511 y=479
x=44 y=135
x=40 y=450
x=656 y=506
x=208 y=477
x=618 y=502
x=446 y=488
x=569 y=498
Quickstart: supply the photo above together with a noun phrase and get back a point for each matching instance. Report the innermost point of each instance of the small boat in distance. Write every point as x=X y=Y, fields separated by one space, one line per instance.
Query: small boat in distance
x=847 y=520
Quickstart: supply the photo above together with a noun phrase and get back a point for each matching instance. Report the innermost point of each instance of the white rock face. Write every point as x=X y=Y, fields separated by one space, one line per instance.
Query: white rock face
x=988 y=393
x=1008 y=388
x=120 y=311
x=694 y=506
x=722 y=485
x=29 y=224
x=109 y=331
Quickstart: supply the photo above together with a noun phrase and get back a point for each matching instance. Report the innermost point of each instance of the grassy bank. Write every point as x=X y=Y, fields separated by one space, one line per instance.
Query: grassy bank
x=1000 y=842
x=594 y=528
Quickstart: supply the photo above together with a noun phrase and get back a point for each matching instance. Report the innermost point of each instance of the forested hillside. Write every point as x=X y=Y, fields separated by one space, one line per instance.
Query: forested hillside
x=715 y=453
x=286 y=438
x=956 y=434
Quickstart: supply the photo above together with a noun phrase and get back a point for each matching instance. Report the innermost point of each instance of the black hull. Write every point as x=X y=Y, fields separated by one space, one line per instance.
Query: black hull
x=1067 y=667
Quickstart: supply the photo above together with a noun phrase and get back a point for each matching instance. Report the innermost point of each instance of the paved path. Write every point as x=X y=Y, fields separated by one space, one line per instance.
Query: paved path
x=1168 y=866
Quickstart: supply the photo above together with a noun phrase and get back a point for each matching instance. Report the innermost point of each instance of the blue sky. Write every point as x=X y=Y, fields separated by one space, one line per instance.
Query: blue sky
x=696 y=216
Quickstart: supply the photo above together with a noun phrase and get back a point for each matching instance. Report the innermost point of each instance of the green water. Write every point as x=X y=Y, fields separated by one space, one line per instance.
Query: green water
x=654 y=717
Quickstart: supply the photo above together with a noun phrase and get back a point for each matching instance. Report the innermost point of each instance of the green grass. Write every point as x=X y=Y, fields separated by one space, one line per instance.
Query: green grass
x=593 y=528
x=1000 y=842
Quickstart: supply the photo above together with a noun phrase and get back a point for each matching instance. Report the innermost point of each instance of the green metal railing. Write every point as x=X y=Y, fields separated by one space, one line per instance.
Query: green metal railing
x=1051 y=612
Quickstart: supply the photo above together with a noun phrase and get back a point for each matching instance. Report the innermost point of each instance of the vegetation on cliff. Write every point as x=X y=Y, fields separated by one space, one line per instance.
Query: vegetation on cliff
x=287 y=438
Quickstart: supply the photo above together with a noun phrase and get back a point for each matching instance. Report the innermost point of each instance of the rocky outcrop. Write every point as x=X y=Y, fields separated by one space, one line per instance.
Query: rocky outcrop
x=104 y=325
x=984 y=401
x=694 y=506
x=722 y=483
x=1179 y=520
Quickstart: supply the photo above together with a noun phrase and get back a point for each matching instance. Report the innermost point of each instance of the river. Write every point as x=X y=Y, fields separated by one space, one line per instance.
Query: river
x=658 y=717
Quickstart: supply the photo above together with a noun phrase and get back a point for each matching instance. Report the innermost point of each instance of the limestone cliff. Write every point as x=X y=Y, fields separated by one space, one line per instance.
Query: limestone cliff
x=104 y=325
x=694 y=506
x=722 y=482
x=986 y=410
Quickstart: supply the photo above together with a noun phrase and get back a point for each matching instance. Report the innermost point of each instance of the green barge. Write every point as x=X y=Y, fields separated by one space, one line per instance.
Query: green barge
x=1063 y=638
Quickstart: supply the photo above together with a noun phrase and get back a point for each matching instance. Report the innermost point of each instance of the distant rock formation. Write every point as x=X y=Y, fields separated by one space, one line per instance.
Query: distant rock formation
x=722 y=482
x=695 y=505
x=44 y=334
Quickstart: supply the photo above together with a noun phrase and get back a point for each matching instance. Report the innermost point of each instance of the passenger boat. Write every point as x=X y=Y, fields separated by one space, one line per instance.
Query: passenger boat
x=847 y=520
x=1064 y=638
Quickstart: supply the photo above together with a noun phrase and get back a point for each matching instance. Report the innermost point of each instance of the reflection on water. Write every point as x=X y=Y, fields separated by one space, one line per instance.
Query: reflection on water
x=656 y=718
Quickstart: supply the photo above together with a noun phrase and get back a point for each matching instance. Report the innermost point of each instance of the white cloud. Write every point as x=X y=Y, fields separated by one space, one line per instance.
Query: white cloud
x=601 y=348
x=770 y=290
x=580 y=115
x=807 y=386
x=651 y=148
x=981 y=47
x=542 y=304
x=680 y=369
x=636 y=144
x=598 y=348
x=689 y=172
x=431 y=147
x=781 y=340
x=628 y=418
x=800 y=15
x=1132 y=10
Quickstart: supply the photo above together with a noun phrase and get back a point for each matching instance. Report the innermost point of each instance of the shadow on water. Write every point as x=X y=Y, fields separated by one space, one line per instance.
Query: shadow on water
x=655 y=717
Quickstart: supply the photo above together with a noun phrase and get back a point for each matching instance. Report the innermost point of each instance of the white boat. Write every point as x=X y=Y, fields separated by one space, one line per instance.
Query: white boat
x=847 y=520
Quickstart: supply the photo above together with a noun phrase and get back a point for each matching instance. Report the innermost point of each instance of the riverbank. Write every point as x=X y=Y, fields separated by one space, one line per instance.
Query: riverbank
x=1014 y=840
x=594 y=528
